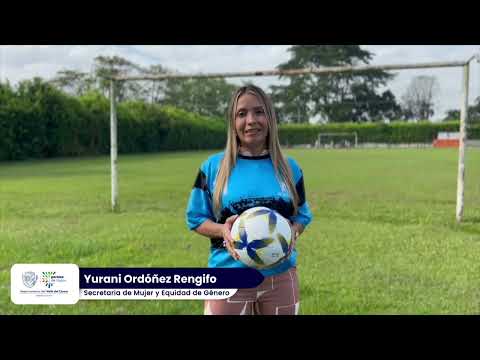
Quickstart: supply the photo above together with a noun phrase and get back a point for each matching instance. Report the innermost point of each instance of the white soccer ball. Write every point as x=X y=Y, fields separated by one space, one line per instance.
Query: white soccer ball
x=262 y=237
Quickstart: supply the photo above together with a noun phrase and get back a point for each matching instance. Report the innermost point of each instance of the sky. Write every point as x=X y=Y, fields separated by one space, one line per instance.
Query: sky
x=27 y=61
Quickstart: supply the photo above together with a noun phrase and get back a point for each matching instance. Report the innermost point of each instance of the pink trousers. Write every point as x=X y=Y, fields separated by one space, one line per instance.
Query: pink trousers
x=276 y=295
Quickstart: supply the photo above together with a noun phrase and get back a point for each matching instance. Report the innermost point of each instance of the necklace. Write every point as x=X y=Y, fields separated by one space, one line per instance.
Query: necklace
x=248 y=153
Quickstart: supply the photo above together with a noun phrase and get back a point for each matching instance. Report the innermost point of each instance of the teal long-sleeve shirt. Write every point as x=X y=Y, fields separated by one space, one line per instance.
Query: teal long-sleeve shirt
x=252 y=183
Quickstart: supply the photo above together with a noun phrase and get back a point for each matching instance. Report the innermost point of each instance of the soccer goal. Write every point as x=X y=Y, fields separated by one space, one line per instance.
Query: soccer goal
x=330 y=139
x=337 y=140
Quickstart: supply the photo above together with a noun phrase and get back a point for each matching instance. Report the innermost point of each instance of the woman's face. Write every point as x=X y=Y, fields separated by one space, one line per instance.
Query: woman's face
x=251 y=122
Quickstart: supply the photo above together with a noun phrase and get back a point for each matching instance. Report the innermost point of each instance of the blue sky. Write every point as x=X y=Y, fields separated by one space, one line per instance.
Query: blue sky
x=24 y=62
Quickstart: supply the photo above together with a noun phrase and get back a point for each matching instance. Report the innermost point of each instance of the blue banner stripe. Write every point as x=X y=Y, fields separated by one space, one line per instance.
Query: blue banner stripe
x=169 y=278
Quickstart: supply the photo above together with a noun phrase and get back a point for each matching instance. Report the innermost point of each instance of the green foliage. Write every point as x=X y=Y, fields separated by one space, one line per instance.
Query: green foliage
x=19 y=136
x=208 y=97
x=473 y=113
x=188 y=131
x=39 y=121
x=96 y=128
x=395 y=133
x=106 y=66
x=74 y=82
x=340 y=97
x=30 y=120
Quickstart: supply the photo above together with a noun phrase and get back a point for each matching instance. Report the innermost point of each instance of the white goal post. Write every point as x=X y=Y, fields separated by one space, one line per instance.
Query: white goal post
x=346 y=135
x=294 y=72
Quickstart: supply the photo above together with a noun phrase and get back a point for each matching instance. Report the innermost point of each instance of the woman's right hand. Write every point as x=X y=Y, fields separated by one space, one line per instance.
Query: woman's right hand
x=227 y=237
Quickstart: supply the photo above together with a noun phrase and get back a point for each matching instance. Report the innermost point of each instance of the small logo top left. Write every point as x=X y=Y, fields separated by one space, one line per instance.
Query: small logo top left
x=29 y=279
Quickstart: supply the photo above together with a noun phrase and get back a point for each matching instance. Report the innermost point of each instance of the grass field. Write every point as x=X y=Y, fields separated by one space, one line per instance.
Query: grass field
x=383 y=240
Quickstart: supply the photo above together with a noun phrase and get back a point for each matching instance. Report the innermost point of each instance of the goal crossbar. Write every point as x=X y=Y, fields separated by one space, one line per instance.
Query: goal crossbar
x=291 y=72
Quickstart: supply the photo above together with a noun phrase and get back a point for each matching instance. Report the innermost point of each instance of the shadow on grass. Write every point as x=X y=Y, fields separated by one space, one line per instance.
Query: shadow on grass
x=470 y=225
x=471 y=220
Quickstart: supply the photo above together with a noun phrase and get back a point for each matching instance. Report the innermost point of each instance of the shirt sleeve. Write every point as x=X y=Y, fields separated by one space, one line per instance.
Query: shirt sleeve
x=199 y=208
x=304 y=215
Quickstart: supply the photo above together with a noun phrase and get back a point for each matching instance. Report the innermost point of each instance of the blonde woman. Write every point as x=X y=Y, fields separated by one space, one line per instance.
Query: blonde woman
x=250 y=172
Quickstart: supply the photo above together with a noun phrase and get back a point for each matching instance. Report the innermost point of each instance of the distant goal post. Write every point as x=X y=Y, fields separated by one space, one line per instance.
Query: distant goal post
x=337 y=140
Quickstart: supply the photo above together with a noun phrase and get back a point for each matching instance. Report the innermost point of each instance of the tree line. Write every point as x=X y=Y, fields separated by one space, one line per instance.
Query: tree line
x=38 y=120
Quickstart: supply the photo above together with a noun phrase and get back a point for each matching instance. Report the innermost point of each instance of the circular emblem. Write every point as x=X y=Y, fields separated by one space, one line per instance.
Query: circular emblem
x=29 y=279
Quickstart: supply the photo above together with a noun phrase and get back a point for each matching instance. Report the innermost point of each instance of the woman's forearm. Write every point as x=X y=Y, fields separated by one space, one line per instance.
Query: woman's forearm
x=210 y=229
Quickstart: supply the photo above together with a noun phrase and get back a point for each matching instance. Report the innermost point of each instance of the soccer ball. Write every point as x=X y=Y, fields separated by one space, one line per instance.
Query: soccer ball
x=262 y=237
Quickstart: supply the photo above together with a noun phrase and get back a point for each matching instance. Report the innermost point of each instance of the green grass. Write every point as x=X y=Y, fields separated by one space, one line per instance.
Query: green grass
x=383 y=241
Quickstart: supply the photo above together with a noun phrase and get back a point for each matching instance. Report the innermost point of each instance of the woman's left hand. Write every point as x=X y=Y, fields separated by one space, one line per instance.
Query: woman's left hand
x=295 y=234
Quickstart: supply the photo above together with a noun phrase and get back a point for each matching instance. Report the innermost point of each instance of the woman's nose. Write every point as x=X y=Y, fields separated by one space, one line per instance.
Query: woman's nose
x=250 y=117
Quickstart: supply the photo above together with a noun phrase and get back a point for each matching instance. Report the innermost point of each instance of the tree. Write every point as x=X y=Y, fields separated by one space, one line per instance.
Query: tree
x=78 y=83
x=334 y=97
x=51 y=112
x=74 y=82
x=452 y=115
x=6 y=92
x=209 y=97
x=367 y=105
x=157 y=89
x=292 y=101
x=105 y=67
x=418 y=100
x=37 y=91
x=473 y=113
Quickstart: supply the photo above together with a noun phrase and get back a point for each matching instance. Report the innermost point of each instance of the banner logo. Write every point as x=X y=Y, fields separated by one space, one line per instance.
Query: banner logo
x=47 y=278
x=44 y=284
x=29 y=279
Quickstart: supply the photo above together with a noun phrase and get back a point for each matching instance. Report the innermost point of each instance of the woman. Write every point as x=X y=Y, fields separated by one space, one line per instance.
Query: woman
x=252 y=171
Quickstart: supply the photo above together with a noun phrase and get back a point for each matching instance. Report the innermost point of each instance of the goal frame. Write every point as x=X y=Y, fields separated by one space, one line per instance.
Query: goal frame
x=465 y=65
x=352 y=133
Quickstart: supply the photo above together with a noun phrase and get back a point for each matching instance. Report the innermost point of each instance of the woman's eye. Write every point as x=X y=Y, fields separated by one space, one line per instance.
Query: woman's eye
x=260 y=112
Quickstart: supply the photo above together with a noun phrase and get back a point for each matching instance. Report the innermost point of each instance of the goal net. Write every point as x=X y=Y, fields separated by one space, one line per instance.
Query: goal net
x=337 y=140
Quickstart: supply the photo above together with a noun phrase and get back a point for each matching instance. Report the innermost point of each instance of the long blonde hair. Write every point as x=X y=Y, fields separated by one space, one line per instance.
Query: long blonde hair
x=280 y=164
